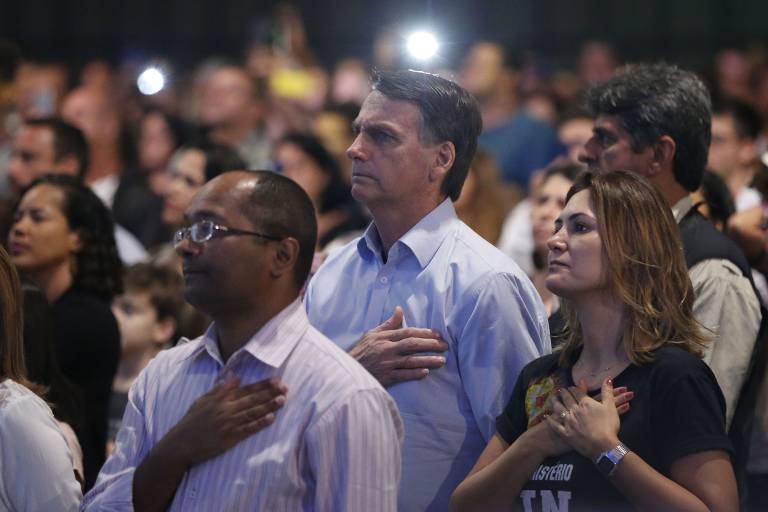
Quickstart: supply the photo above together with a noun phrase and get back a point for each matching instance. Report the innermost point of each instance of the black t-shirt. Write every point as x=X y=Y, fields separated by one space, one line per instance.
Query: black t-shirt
x=88 y=350
x=677 y=410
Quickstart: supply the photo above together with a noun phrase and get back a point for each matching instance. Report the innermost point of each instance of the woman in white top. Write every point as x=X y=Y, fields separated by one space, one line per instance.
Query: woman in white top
x=36 y=472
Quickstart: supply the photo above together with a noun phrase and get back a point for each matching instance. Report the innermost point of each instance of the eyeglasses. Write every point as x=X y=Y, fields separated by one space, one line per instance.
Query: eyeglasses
x=204 y=230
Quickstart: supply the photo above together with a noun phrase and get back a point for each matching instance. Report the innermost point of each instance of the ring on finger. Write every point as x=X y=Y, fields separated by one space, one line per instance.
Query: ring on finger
x=564 y=413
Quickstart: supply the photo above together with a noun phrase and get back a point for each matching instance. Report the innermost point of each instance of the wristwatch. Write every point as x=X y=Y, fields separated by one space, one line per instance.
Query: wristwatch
x=608 y=461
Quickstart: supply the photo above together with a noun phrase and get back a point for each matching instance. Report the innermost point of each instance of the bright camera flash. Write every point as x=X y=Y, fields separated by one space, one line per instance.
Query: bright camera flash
x=422 y=45
x=151 y=81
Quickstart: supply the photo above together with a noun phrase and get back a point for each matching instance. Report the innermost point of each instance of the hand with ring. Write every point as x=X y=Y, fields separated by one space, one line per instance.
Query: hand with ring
x=588 y=426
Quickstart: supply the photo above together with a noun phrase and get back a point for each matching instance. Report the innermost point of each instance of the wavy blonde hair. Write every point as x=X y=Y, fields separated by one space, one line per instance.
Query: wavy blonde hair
x=645 y=267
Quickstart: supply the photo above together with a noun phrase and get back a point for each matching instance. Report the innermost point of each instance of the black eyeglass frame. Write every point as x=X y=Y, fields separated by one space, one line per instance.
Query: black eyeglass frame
x=215 y=231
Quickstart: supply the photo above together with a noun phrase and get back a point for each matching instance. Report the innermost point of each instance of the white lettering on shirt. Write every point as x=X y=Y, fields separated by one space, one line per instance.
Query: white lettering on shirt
x=548 y=502
x=556 y=473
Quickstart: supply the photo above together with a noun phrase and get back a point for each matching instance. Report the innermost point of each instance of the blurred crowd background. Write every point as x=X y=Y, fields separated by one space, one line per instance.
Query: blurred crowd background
x=246 y=75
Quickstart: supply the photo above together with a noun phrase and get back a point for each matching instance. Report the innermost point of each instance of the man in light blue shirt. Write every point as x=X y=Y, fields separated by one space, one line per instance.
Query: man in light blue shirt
x=433 y=311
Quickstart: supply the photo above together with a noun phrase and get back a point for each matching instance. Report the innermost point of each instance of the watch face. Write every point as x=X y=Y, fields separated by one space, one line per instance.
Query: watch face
x=605 y=465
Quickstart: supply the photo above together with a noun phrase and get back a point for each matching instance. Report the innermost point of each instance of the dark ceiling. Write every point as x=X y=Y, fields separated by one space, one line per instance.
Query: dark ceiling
x=684 y=31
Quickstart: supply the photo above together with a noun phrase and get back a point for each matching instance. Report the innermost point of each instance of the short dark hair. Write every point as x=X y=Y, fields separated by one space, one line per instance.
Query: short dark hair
x=565 y=168
x=572 y=111
x=163 y=284
x=652 y=100
x=746 y=120
x=218 y=157
x=67 y=140
x=280 y=207
x=180 y=130
x=718 y=197
x=98 y=265
x=448 y=113
x=336 y=193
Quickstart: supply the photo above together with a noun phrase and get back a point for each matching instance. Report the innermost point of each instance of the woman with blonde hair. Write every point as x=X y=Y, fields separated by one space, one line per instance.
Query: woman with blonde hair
x=35 y=462
x=567 y=439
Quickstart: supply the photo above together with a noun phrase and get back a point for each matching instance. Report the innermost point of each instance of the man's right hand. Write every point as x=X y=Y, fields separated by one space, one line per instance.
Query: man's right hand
x=391 y=352
x=224 y=416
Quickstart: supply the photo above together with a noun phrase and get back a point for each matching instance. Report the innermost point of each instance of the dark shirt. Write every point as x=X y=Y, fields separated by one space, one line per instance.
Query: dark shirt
x=117 y=403
x=139 y=210
x=87 y=343
x=678 y=410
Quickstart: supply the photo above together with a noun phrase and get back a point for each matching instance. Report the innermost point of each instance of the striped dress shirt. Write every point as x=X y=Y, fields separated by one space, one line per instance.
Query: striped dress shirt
x=335 y=444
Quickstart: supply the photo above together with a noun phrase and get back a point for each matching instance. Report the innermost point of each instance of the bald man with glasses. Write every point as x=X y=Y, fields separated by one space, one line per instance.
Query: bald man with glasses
x=262 y=412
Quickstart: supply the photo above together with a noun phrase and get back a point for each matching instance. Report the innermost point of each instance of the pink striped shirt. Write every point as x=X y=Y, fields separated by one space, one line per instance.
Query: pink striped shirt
x=335 y=444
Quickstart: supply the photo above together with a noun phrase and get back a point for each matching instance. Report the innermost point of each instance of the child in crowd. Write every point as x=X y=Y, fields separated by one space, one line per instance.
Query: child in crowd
x=148 y=314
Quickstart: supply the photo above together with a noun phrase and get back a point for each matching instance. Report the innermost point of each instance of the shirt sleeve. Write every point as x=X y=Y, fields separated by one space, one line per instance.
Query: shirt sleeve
x=354 y=454
x=726 y=303
x=114 y=487
x=500 y=327
x=689 y=412
x=37 y=474
x=512 y=422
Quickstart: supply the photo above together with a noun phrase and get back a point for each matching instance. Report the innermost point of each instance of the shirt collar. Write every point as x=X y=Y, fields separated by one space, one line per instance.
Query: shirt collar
x=682 y=207
x=423 y=239
x=271 y=344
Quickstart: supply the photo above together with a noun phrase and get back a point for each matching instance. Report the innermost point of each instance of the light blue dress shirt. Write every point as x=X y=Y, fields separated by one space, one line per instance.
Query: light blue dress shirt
x=447 y=278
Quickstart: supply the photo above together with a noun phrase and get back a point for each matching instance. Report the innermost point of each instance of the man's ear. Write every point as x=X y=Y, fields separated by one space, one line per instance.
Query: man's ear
x=68 y=164
x=663 y=156
x=285 y=257
x=443 y=161
x=746 y=152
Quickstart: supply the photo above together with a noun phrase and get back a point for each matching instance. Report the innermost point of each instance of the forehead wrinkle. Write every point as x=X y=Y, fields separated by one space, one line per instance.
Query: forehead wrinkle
x=384 y=115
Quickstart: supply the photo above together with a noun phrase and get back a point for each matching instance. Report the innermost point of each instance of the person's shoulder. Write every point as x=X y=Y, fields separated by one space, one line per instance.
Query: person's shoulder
x=481 y=268
x=332 y=365
x=342 y=260
x=674 y=355
x=474 y=250
x=335 y=382
x=11 y=393
x=671 y=362
x=183 y=350
x=76 y=299
x=540 y=367
x=703 y=242
x=19 y=405
x=79 y=313
x=340 y=256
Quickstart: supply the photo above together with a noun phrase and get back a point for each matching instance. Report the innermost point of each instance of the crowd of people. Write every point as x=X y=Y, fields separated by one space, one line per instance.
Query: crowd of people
x=275 y=287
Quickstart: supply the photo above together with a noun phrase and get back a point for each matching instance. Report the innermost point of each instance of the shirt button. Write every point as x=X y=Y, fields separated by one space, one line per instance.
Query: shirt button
x=383 y=280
